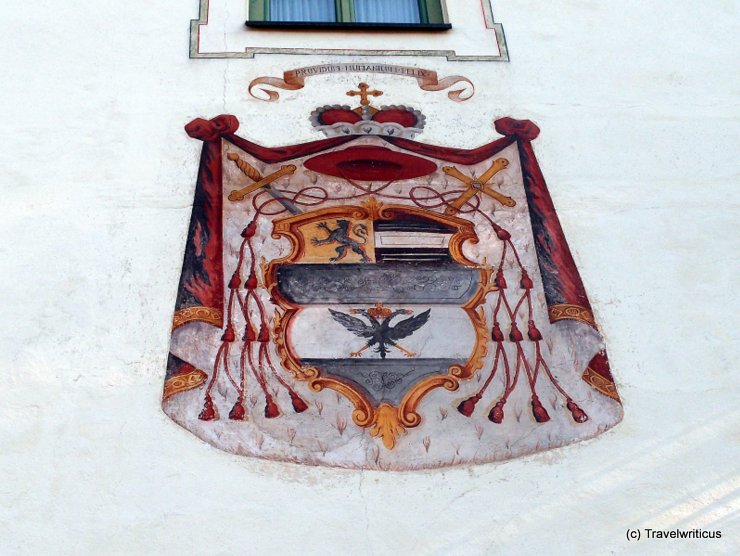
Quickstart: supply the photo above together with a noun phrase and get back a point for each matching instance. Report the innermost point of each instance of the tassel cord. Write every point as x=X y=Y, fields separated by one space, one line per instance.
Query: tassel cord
x=531 y=375
x=257 y=372
x=264 y=354
x=228 y=372
x=541 y=360
x=226 y=345
x=243 y=366
x=499 y=347
x=214 y=376
x=516 y=254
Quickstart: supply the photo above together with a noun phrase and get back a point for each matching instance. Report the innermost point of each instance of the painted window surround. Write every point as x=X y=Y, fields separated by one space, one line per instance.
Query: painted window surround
x=432 y=14
x=220 y=32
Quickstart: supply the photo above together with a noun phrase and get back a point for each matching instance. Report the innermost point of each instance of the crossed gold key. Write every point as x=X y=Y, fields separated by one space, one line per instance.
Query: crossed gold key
x=479 y=185
x=259 y=181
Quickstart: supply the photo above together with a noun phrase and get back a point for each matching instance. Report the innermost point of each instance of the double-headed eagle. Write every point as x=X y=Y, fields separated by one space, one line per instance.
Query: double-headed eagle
x=379 y=333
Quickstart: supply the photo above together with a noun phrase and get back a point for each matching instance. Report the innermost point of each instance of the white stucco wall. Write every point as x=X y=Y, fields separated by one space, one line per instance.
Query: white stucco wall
x=638 y=104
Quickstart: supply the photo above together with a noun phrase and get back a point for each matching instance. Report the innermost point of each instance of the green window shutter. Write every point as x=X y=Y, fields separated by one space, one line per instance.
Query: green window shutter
x=259 y=10
x=431 y=11
x=345 y=11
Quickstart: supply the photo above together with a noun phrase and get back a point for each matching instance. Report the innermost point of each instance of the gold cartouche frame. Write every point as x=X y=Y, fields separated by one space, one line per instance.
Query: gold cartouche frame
x=387 y=421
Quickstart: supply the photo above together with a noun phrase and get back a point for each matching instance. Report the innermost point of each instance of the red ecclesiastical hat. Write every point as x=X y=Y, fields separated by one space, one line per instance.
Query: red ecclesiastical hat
x=369 y=163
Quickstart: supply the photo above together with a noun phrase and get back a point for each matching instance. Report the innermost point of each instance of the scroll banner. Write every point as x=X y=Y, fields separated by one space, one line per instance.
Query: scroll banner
x=428 y=80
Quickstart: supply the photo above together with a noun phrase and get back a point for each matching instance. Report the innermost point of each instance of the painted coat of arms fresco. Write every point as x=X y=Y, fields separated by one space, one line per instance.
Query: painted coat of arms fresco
x=368 y=300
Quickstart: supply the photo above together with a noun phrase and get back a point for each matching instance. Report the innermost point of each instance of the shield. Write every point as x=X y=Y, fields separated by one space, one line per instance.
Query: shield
x=368 y=295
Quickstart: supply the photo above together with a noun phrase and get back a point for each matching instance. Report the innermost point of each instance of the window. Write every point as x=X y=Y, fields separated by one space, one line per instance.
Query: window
x=409 y=14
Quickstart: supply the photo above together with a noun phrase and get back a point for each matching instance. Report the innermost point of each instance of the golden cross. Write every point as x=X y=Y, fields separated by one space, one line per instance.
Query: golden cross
x=363 y=93
x=476 y=186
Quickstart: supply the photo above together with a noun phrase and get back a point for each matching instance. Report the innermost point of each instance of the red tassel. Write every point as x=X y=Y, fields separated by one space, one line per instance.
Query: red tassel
x=540 y=413
x=271 y=409
x=515 y=335
x=526 y=282
x=533 y=333
x=235 y=281
x=497 y=413
x=250 y=230
x=251 y=283
x=264 y=335
x=496 y=333
x=299 y=406
x=579 y=416
x=209 y=413
x=238 y=413
x=502 y=234
x=468 y=406
x=500 y=281
x=249 y=333
x=229 y=335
